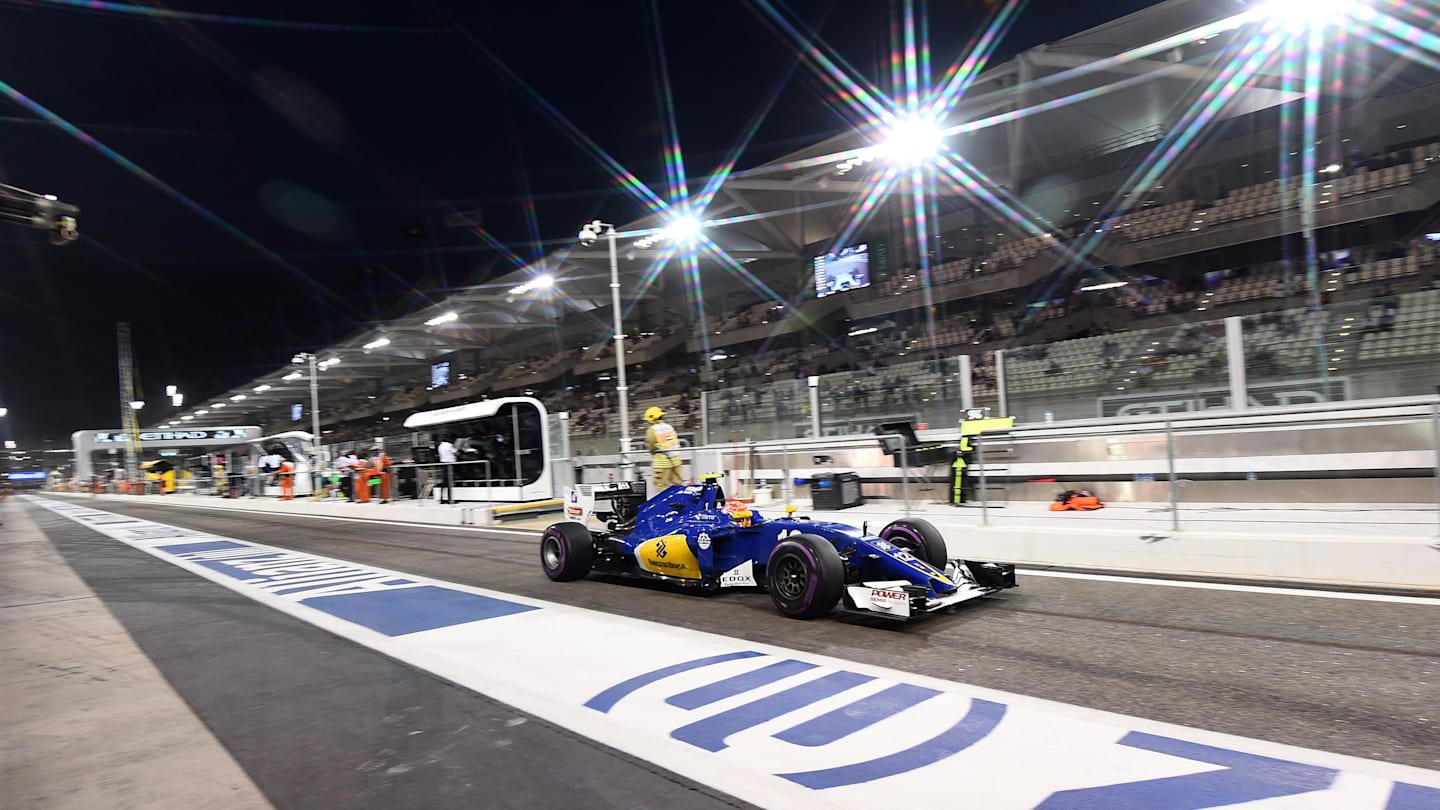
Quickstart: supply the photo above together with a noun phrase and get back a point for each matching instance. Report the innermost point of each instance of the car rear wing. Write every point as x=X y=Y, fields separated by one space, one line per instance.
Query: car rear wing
x=615 y=500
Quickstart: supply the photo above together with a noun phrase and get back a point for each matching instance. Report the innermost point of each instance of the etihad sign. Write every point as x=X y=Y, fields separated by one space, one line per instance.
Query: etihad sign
x=221 y=434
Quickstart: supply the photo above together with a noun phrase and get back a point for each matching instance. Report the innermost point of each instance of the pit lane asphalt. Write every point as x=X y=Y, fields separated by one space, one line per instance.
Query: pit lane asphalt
x=1354 y=677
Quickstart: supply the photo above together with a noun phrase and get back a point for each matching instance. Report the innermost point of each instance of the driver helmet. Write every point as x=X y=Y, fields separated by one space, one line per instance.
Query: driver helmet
x=653 y=414
x=739 y=513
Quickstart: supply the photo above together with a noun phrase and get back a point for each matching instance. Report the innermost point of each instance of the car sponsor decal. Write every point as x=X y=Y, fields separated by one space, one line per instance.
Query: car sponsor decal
x=769 y=725
x=741 y=575
x=669 y=555
x=887 y=599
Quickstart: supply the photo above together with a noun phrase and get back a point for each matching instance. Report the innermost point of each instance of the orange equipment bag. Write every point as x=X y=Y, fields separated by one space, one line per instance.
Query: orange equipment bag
x=1076 y=500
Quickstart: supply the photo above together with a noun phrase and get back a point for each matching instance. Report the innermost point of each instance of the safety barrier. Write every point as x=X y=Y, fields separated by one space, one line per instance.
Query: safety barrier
x=1374 y=452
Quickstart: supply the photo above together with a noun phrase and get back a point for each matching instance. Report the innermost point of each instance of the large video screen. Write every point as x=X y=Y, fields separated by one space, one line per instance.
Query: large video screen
x=846 y=269
x=439 y=375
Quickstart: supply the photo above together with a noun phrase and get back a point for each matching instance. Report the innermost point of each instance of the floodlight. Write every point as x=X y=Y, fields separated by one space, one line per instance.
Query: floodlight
x=292 y=376
x=137 y=404
x=448 y=317
x=260 y=389
x=377 y=343
x=171 y=390
x=914 y=139
x=1108 y=285
x=682 y=228
x=544 y=282
x=201 y=412
x=186 y=418
x=217 y=406
x=1308 y=11
x=237 y=398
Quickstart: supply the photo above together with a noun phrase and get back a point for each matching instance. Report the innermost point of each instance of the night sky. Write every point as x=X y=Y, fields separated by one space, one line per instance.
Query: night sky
x=331 y=158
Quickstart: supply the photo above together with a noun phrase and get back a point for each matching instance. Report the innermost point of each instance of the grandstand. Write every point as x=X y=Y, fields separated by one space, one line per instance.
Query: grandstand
x=1102 y=293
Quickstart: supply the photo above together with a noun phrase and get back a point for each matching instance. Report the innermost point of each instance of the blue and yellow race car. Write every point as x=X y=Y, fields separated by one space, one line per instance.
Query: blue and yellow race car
x=692 y=536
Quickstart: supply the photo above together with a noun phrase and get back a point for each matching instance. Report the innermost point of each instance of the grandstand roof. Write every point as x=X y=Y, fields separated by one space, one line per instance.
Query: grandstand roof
x=1124 y=102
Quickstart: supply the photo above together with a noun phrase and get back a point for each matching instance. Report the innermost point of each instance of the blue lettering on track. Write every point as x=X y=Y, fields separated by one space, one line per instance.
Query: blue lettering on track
x=1406 y=796
x=710 y=693
x=977 y=723
x=711 y=732
x=232 y=571
x=1243 y=778
x=191 y=548
x=413 y=609
x=373 y=599
x=606 y=700
x=863 y=713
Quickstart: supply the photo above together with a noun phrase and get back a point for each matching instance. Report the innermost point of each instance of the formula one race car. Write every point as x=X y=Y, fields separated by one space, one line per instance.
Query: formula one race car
x=691 y=536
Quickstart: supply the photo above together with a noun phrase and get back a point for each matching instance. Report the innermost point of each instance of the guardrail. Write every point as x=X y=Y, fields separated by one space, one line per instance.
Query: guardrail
x=1392 y=446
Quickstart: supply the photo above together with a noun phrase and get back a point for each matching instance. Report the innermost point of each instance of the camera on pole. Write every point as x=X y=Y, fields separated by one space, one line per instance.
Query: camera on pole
x=43 y=212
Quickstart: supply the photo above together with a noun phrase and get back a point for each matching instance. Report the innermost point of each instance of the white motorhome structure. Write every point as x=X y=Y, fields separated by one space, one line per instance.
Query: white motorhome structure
x=295 y=446
x=502 y=448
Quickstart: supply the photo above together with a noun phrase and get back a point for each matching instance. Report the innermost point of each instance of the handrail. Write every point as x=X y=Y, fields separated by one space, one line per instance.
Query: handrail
x=1405 y=407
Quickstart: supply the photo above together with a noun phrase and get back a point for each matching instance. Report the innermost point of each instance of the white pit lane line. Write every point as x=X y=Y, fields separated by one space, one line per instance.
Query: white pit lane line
x=766 y=724
x=1225 y=586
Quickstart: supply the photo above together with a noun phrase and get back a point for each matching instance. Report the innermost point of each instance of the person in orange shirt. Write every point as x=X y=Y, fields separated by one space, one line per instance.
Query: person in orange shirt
x=380 y=470
x=287 y=480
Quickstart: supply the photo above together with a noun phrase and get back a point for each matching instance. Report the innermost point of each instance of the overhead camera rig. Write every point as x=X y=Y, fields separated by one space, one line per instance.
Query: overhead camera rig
x=40 y=211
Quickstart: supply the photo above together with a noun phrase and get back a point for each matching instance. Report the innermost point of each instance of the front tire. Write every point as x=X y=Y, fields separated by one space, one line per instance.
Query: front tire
x=567 y=552
x=804 y=576
x=919 y=537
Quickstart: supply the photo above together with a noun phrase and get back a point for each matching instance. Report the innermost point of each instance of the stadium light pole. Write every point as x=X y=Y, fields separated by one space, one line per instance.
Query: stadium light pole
x=588 y=235
x=308 y=357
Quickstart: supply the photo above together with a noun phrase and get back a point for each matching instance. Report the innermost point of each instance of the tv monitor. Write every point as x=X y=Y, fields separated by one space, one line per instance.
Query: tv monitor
x=843 y=270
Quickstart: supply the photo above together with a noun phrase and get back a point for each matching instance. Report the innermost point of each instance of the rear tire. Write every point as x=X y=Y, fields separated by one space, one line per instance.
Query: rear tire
x=567 y=552
x=918 y=537
x=804 y=576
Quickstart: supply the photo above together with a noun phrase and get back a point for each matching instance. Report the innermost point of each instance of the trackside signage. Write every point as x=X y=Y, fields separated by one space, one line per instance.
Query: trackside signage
x=1290 y=392
x=233 y=434
x=769 y=725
